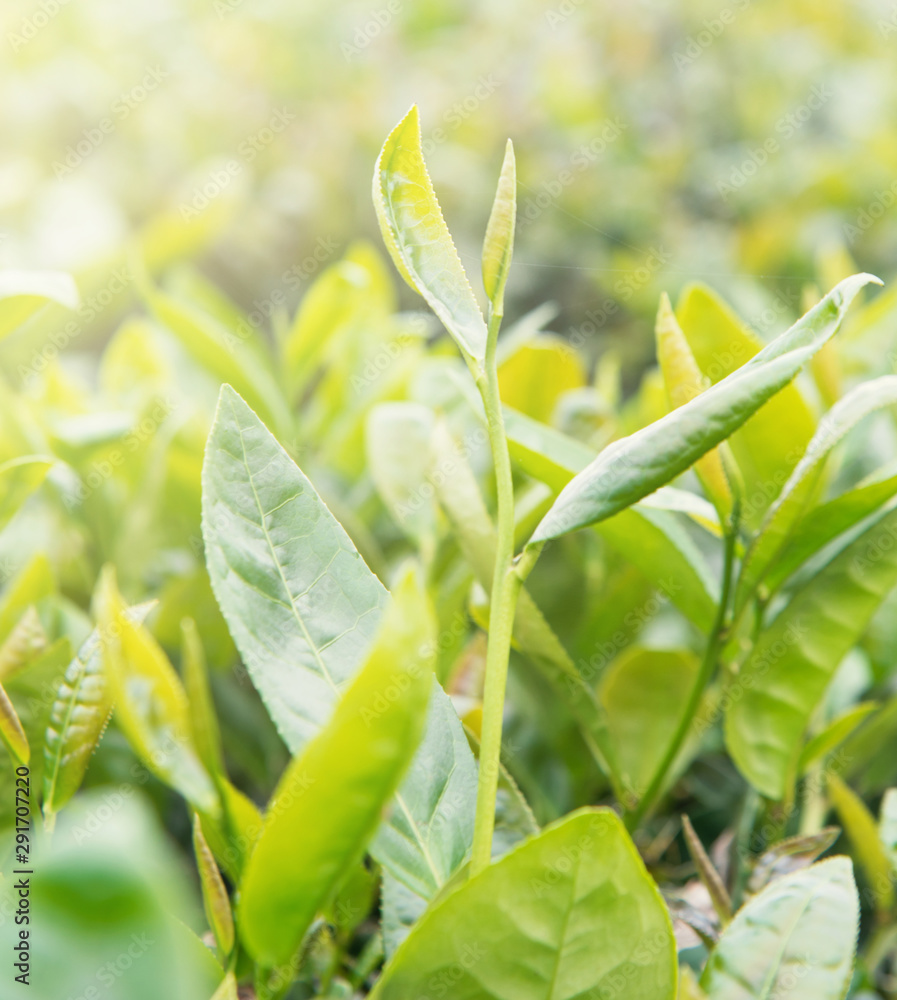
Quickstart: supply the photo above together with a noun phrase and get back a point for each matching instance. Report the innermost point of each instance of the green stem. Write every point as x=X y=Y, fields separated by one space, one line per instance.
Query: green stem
x=505 y=588
x=711 y=655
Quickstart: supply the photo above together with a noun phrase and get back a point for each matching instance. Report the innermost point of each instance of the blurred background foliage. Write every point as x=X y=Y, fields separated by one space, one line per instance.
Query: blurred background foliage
x=637 y=125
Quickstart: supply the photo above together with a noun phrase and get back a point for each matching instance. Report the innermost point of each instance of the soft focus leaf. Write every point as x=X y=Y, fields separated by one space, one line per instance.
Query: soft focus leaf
x=794 y=658
x=796 y=939
x=418 y=239
x=23 y=293
x=150 y=702
x=645 y=691
x=11 y=730
x=788 y=507
x=862 y=832
x=790 y=855
x=829 y=738
x=203 y=720
x=684 y=380
x=769 y=445
x=344 y=778
x=19 y=478
x=214 y=893
x=80 y=710
x=569 y=912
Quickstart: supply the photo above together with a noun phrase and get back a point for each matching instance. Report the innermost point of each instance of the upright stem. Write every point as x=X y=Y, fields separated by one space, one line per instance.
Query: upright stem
x=505 y=587
x=711 y=655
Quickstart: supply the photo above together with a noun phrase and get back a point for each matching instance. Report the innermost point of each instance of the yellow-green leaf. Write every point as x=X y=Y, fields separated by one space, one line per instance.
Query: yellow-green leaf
x=328 y=803
x=214 y=894
x=418 y=239
x=11 y=730
x=498 y=246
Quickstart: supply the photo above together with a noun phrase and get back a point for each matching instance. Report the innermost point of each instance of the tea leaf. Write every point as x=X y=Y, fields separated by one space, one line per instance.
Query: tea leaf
x=150 y=702
x=23 y=293
x=11 y=730
x=790 y=855
x=418 y=239
x=788 y=507
x=684 y=380
x=794 y=658
x=768 y=445
x=301 y=605
x=203 y=721
x=569 y=912
x=19 y=478
x=344 y=778
x=425 y=837
x=214 y=893
x=796 y=938
x=78 y=717
x=498 y=245
x=862 y=831
x=635 y=466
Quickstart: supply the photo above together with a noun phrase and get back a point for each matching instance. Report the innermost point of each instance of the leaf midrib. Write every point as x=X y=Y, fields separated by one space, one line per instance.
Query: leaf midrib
x=325 y=673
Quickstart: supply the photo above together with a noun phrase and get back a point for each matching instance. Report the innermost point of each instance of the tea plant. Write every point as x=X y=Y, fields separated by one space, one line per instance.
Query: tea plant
x=618 y=647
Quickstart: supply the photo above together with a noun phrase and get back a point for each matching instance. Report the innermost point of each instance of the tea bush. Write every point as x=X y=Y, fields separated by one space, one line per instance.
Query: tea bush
x=451 y=667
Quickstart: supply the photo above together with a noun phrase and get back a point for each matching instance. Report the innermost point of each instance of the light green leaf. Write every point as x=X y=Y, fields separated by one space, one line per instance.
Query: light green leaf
x=635 y=466
x=797 y=492
x=228 y=989
x=11 y=730
x=23 y=293
x=400 y=909
x=352 y=294
x=568 y=913
x=303 y=609
x=203 y=720
x=498 y=246
x=78 y=717
x=862 y=832
x=887 y=825
x=832 y=735
x=429 y=829
x=795 y=657
x=646 y=534
x=684 y=380
x=150 y=703
x=344 y=778
x=301 y=605
x=227 y=355
x=398 y=451
x=795 y=940
x=418 y=239
x=821 y=525
x=19 y=478
x=214 y=894
x=645 y=691
x=768 y=446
